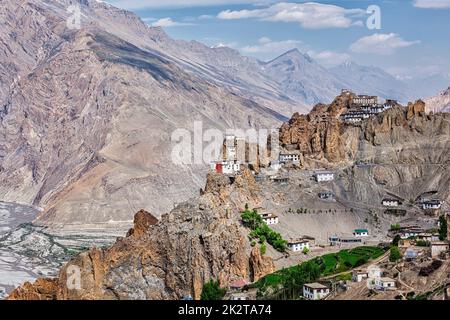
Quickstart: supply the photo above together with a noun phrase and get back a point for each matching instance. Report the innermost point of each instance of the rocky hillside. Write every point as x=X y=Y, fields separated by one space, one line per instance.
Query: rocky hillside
x=401 y=151
x=87 y=114
x=440 y=103
x=199 y=240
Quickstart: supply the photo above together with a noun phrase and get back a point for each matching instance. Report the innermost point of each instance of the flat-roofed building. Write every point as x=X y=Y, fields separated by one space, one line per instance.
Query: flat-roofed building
x=315 y=291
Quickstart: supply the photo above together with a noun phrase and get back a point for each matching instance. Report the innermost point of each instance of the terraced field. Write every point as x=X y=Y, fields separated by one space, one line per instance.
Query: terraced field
x=287 y=283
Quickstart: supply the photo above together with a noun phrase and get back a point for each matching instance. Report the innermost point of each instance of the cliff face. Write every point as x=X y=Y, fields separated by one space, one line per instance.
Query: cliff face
x=86 y=115
x=318 y=134
x=402 y=150
x=199 y=240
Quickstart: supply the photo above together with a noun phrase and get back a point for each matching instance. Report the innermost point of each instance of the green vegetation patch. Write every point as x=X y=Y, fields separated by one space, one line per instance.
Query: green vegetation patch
x=287 y=283
x=261 y=231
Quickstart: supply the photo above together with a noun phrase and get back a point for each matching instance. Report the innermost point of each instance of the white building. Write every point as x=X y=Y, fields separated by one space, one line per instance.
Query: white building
x=391 y=203
x=364 y=100
x=289 y=157
x=270 y=219
x=385 y=283
x=315 y=291
x=298 y=245
x=431 y=205
x=359 y=275
x=360 y=233
x=226 y=167
x=324 y=176
x=239 y=297
x=230 y=147
x=438 y=247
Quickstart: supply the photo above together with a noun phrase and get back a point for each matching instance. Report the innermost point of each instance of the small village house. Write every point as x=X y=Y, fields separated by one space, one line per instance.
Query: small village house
x=410 y=232
x=270 y=219
x=324 y=176
x=431 y=204
x=404 y=243
x=360 y=233
x=281 y=180
x=297 y=245
x=239 y=296
x=411 y=254
x=385 y=283
x=289 y=157
x=364 y=100
x=374 y=272
x=315 y=291
x=326 y=195
x=359 y=275
x=390 y=203
x=438 y=247
x=344 y=240
x=238 y=284
x=226 y=167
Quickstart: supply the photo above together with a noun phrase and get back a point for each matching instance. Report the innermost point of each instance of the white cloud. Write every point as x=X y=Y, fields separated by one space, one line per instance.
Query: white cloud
x=142 y=4
x=266 y=45
x=168 y=22
x=432 y=4
x=329 y=58
x=380 y=43
x=309 y=15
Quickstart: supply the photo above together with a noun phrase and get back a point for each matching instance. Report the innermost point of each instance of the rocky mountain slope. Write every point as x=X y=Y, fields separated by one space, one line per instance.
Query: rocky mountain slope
x=86 y=114
x=198 y=241
x=440 y=103
x=402 y=152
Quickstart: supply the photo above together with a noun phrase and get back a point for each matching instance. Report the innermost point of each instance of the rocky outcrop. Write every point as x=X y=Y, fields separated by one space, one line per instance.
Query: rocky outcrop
x=260 y=265
x=142 y=223
x=41 y=289
x=317 y=135
x=199 y=240
x=416 y=109
x=401 y=151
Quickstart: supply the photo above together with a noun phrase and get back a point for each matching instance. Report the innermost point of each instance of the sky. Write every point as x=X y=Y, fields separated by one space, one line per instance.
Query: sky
x=407 y=38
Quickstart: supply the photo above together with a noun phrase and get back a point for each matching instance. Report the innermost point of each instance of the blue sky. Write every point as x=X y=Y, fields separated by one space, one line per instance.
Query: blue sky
x=413 y=40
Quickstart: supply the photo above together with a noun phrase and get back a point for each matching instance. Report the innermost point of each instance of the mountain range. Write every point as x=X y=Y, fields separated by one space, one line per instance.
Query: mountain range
x=439 y=103
x=86 y=114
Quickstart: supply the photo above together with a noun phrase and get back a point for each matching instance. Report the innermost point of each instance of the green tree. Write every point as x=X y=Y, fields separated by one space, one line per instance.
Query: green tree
x=396 y=240
x=395 y=254
x=305 y=250
x=212 y=291
x=443 y=228
x=263 y=249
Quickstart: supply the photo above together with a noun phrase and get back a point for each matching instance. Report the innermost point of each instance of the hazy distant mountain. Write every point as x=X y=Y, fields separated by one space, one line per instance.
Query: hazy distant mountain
x=439 y=103
x=428 y=86
x=302 y=78
x=372 y=80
